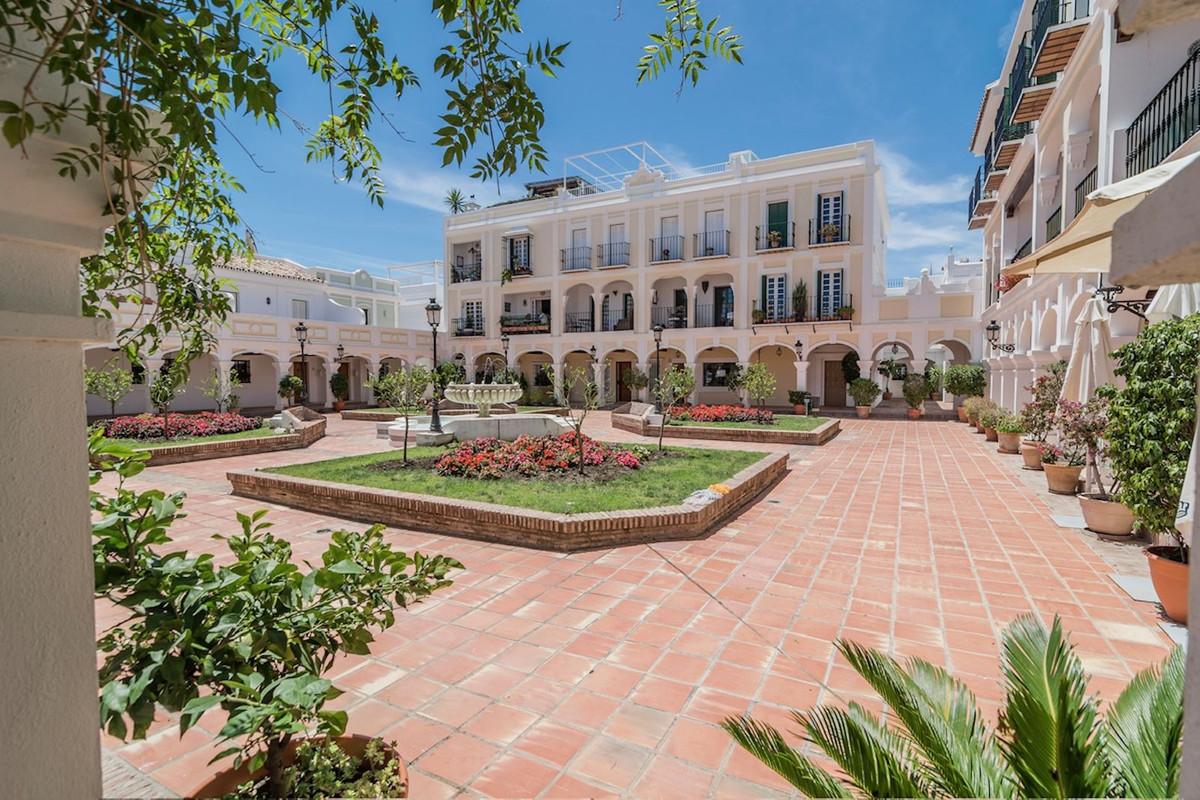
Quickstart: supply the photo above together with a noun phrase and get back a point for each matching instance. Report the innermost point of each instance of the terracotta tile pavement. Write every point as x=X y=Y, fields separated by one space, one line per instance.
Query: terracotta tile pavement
x=605 y=673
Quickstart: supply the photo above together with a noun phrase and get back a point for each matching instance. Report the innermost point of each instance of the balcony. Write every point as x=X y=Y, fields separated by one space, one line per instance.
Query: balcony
x=979 y=205
x=669 y=316
x=829 y=233
x=467 y=271
x=469 y=326
x=1169 y=120
x=612 y=254
x=523 y=324
x=1029 y=93
x=839 y=308
x=710 y=244
x=774 y=237
x=666 y=248
x=1022 y=251
x=1006 y=138
x=709 y=316
x=616 y=321
x=519 y=267
x=574 y=259
x=578 y=322
x=1054 y=224
x=1058 y=25
x=1083 y=189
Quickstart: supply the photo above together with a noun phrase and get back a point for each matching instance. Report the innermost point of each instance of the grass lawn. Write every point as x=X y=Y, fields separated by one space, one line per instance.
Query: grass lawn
x=783 y=422
x=659 y=482
x=150 y=444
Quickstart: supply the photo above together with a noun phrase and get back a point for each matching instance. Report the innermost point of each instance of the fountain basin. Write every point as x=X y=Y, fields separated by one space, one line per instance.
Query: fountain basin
x=473 y=426
x=483 y=395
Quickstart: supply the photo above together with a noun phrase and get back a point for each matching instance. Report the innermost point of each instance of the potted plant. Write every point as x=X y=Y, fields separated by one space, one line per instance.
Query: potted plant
x=830 y=232
x=970 y=410
x=916 y=389
x=988 y=418
x=1150 y=427
x=845 y=312
x=964 y=381
x=1037 y=416
x=800 y=300
x=290 y=387
x=1008 y=433
x=759 y=316
x=340 y=387
x=797 y=399
x=1083 y=426
x=774 y=239
x=864 y=392
x=1062 y=466
x=253 y=635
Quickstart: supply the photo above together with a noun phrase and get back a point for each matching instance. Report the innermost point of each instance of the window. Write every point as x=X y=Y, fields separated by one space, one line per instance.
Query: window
x=717 y=374
x=138 y=373
x=774 y=295
x=777 y=225
x=518 y=253
x=241 y=368
x=233 y=301
x=616 y=233
x=366 y=314
x=830 y=291
x=541 y=375
x=300 y=309
x=829 y=218
x=473 y=314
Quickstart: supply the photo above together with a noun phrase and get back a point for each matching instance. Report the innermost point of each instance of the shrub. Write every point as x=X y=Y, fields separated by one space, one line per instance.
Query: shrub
x=1037 y=416
x=759 y=382
x=989 y=414
x=1008 y=422
x=110 y=384
x=973 y=405
x=339 y=386
x=864 y=391
x=290 y=387
x=723 y=413
x=206 y=423
x=966 y=380
x=850 y=368
x=529 y=456
x=1151 y=420
x=916 y=389
x=1081 y=427
x=797 y=398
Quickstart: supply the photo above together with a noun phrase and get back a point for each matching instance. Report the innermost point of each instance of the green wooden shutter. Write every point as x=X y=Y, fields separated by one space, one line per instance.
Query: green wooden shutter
x=777 y=214
x=762 y=296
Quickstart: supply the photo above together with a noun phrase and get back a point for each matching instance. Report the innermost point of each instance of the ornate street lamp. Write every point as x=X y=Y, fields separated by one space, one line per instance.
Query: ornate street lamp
x=504 y=338
x=993 y=337
x=341 y=351
x=1135 y=307
x=433 y=315
x=302 y=338
x=592 y=353
x=657 y=330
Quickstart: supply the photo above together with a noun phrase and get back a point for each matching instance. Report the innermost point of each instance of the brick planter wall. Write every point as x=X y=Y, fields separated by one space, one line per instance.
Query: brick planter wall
x=817 y=436
x=309 y=431
x=508 y=525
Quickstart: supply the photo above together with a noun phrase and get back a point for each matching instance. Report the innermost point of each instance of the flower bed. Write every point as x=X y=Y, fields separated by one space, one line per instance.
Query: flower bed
x=529 y=456
x=151 y=426
x=723 y=413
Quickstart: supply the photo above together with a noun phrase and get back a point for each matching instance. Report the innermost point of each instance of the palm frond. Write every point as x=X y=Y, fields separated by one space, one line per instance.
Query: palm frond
x=942 y=721
x=879 y=762
x=767 y=745
x=1049 y=722
x=1144 y=731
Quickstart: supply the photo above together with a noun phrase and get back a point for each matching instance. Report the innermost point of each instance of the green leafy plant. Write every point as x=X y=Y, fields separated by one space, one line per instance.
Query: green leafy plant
x=401 y=390
x=110 y=384
x=455 y=201
x=759 y=382
x=222 y=389
x=339 y=385
x=254 y=635
x=916 y=390
x=800 y=299
x=675 y=384
x=636 y=380
x=934 y=375
x=1082 y=428
x=322 y=769
x=797 y=398
x=1052 y=740
x=166 y=385
x=973 y=405
x=578 y=378
x=1037 y=416
x=290 y=387
x=989 y=415
x=691 y=38
x=850 y=369
x=1008 y=422
x=864 y=391
x=966 y=380
x=1151 y=421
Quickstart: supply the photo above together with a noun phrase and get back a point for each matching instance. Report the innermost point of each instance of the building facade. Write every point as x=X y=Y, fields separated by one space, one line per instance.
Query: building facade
x=778 y=260
x=1078 y=104
x=356 y=322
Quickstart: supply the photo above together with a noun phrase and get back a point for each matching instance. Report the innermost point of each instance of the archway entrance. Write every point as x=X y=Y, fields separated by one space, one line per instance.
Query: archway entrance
x=826 y=378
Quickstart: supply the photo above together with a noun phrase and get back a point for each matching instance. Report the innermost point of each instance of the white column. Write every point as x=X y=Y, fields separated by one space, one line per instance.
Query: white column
x=224 y=367
x=598 y=370
x=598 y=311
x=698 y=372
x=801 y=376
x=372 y=367
x=559 y=369
x=743 y=395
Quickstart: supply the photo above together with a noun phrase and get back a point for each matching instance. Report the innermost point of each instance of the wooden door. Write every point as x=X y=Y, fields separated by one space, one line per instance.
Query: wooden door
x=624 y=394
x=835 y=385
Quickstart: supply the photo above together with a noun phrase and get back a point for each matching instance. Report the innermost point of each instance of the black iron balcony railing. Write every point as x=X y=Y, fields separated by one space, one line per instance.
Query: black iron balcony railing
x=1023 y=250
x=1083 y=189
x=518 y=324
x=578 y=322
x=838 y=308
x=469 y=326
x=520 y=266
x=976 y=193
x=666 y=248
x=467 y=271
x=830 y=232
x=612 y=254
x=1168 y=121
x=710 y=243
x=1054 y=224
x=669 y=316
x=775 y=237
x=617 y=321
x=1018 y=79
x=709 y=316
x=575 y=258
x=1048 y=13
x=1006 y=130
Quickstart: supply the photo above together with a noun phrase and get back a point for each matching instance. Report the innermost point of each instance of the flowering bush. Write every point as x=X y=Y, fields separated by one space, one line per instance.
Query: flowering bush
x=723 y=413
x=150 y=426
x=529 y=456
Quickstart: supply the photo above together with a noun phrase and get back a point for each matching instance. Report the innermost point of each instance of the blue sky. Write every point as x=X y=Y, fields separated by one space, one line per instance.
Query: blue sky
x=907 y=74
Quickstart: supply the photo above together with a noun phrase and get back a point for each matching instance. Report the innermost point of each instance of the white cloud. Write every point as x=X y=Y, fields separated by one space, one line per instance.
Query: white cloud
x=426 y=188
x=940 y=227
x=1006 y=32
x=906 y=188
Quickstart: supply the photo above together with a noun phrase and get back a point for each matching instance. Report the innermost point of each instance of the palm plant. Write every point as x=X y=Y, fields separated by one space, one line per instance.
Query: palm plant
x=455 y=201
x=1052 y=740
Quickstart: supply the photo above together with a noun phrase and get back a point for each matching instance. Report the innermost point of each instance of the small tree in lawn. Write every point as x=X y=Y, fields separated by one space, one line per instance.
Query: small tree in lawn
x=760 y=383
x=400 y=390
x=110 y=384
x=222 y=389
x=735 y=379
x=166 y=386
x=636 y=380
x=589 y=399
x=672 y=386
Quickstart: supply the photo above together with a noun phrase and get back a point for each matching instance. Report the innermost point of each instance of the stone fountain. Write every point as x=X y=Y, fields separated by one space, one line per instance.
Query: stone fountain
x=480 y=424
x=483 y=395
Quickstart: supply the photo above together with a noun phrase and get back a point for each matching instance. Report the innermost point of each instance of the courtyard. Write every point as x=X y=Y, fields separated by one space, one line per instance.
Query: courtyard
x=606 y=672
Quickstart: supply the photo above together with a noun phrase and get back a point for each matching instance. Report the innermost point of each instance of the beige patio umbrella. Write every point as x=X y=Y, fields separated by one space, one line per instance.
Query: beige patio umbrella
x=1091 y=364
x=1176 y=301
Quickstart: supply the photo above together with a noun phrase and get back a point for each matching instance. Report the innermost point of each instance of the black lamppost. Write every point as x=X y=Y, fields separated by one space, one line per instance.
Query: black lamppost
x=993 y=337
x=657 y=329
x=341 y=351
x=302 y=338
x=433 y=315
x=504 y=346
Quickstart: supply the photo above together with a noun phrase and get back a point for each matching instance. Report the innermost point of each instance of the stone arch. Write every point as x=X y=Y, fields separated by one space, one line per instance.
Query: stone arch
x=615 y=366
x=579 y=309
x=1025 y=336
x=714 y=300
x=532 y=365
x=669 y=302
x=1047 y=332
x=713 y=365
x=781 y=359
x=261 y=392
x=312 y=370
x=824 y=377
x=201 y=369
x=577 y=361
x=487 y=365
x=617 y=306
x=959 y=352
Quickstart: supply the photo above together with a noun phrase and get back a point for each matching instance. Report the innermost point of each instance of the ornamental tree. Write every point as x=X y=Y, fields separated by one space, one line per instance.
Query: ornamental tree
x=110 y=383
x=672 y=386
x=589 y=399
x=759 y=382
x=400 y=390
x=1037 y=416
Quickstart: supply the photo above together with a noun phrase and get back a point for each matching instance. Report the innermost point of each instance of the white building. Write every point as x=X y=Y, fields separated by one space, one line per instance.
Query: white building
x=1078 y=105
x=356 y=322
x=779 y=260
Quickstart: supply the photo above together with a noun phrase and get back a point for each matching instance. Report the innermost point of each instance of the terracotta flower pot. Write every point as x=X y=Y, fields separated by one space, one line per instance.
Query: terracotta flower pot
x=1031 y=452
x=914 y=413
x=799 y=409
x=1009 y=443
x=1109 y=517
x=1062 y=478
x=339 y=406
x=228 y=780
x=863 y=411
x=990 y=434
x=1170 y=579
x=962 y=414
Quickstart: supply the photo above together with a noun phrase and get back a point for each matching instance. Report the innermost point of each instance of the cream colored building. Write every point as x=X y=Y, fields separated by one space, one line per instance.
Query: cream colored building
x=778 y=260
x=1078 y=104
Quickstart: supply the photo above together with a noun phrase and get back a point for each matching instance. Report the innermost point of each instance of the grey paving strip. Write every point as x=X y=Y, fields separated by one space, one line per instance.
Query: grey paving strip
x=1177 y=632
x=123 y=780
x=1067 y=521
x=1137 y=587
